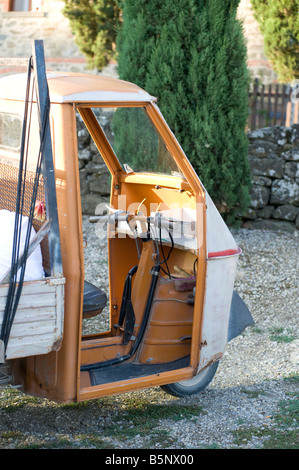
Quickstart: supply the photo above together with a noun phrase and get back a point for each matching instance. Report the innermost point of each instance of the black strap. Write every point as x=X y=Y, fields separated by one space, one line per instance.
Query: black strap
x=126 y=310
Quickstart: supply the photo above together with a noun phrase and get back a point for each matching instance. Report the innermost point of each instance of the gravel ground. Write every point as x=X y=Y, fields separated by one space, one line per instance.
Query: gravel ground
x=246 y=392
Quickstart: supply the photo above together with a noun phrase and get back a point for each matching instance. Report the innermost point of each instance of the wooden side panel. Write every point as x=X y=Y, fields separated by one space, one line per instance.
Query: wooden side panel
x=38 y=323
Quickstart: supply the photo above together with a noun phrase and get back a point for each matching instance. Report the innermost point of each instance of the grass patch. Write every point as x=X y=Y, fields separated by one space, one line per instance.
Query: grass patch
x=253 y=393
x=285 y=432
x=279 y=335
x=21 y=441
x=270 y=438
x=288 y=416
x=146 y=420
x=11 y=399
x=93 y=440
x=161 y=438
x=287 y=439
x=256 y=329
x=244 y=435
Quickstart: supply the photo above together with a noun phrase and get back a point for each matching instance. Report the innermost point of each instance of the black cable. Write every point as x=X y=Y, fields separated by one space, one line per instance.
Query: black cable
x=16 y=238
x=169 y=253
x=13 y=298
x=195 y=262
x=117 y=360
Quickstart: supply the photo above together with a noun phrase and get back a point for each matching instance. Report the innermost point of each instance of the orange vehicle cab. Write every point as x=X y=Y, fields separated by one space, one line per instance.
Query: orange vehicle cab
x=171 y=259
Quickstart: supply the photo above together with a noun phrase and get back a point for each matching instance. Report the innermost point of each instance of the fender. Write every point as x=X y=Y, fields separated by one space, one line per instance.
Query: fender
x=239 y=317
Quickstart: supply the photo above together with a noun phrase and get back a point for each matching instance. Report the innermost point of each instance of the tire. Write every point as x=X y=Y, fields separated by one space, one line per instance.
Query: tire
x=192 y=386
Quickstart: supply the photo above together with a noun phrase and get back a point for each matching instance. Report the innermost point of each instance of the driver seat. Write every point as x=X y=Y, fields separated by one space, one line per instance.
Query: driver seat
x=94 y=300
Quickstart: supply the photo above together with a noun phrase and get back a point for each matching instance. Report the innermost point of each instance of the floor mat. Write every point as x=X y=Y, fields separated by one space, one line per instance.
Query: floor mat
x=130 y=370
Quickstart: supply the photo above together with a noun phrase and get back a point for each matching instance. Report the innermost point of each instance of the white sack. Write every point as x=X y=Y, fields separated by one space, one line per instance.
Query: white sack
x=34 y=267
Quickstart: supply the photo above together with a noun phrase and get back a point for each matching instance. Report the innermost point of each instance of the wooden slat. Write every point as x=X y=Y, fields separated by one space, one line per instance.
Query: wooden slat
x=32 y=330
x=37 y=314
x=46 y=299
x=38 y=323
x=269 y=101
x=283 y=105
x=33 y=346
x=30 y=288
x=296 y=113
x=275 y=106
x=261 y=116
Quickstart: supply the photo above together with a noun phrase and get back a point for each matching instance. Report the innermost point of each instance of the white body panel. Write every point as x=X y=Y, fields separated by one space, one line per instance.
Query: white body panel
x=219 y=289
x=38 y=323
x=219 y=237
x=222 y=258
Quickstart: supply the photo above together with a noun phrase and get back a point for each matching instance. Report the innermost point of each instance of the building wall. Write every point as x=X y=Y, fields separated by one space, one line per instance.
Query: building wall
x=257 y=61
x=45 y=21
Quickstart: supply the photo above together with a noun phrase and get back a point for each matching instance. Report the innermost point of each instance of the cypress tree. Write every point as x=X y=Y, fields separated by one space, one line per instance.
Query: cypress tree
x=94 y=25
x=191 y=55
x=279 y=24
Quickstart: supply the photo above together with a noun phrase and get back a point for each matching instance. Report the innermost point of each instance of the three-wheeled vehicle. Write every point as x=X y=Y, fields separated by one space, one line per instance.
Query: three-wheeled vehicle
x=171 y=258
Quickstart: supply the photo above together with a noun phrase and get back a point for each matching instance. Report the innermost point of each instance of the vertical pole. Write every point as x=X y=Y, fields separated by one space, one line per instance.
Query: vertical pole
x=43 y=101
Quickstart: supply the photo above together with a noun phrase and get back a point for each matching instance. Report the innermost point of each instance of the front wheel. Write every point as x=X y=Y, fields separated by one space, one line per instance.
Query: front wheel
x=192 y=386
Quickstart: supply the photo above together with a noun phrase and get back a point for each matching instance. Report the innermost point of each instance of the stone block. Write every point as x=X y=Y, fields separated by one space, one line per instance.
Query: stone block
x=295 y=134
x=263 y=149
x=89 y=203
x=285 y=192
x=276 y=134
x=93 y=148
x=292 y=169
x=273 y=167
x=85 y=155
x=97 y=158
x=270 y=224
x=251 y=214
x=259 y=196
x=83 y=136
x=96 y=168
x=261 y=180
x=100 y=184
x=286 y=212
x=84 y=186
x=291 y=154
x=265 y=213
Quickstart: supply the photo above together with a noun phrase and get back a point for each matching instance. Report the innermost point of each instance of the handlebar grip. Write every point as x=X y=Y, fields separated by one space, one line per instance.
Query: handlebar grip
x=98 y=218
x=110 y=218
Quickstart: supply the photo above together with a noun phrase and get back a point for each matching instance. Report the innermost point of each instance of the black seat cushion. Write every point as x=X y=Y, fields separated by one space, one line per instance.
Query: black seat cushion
x=94 y=300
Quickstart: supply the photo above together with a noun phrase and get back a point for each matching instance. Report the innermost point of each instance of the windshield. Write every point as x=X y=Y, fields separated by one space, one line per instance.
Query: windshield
x=135 y=141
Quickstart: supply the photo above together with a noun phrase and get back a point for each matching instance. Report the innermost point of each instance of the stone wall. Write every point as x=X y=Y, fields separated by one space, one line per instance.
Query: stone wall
x=94 y=174
x=274 y=162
